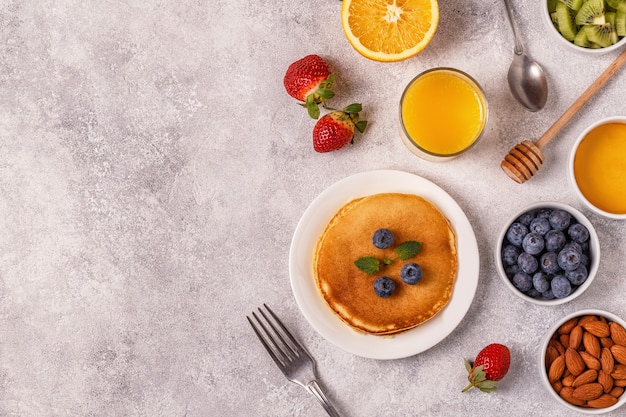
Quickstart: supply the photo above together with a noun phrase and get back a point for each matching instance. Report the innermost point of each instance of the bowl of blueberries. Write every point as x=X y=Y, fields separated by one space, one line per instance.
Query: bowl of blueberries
x=548 y=253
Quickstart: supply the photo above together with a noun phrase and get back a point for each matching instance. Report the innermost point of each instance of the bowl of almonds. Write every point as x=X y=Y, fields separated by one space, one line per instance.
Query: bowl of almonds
x=583 y=361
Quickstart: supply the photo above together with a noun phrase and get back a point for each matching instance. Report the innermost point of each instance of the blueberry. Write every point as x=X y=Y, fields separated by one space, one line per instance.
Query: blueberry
x=578 y=233
x=512 y=270
x=584 y=260
x=540 y=225
x=527 y=262
x=560 y=219
x=544 y=213
x=569 y=258
x=384 y=287
x=411 y=273
x=522 y=281
x=533 y=293
x=548 y=295
x=555 y=240
x=510 y=254
x=574 y=245
x=540 y=282
x=526 y=218
x=383 y=238
x=578 y=275
x=533 y=243
x=515 y=234
x=584 y=245
x=549 y=263
x=560 y=286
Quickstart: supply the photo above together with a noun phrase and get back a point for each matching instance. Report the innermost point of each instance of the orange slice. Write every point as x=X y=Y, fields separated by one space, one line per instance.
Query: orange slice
x=389 y=30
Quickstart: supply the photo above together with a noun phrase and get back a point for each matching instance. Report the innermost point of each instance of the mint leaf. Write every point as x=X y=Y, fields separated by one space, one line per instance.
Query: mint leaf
x=408 y=249
x=368 y=264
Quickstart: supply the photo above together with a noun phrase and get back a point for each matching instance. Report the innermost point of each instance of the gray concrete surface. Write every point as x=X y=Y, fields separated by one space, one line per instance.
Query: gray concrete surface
x=152 y=172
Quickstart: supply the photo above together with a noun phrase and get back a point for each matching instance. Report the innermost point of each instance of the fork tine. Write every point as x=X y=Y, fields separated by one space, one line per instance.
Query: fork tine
x=292 y=350
x=270 y=347
x=299 y=348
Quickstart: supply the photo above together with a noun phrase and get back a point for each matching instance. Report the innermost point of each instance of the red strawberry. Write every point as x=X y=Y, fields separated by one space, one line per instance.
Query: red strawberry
x=491 y=365
x=335 y=130
x=310 y=80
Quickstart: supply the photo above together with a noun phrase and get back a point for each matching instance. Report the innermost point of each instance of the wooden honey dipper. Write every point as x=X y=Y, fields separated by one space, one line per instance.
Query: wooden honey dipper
x=525 y=159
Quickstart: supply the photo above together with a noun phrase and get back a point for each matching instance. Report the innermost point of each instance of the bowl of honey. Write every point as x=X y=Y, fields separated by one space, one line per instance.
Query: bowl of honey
x=597 y=167
x=443 y=113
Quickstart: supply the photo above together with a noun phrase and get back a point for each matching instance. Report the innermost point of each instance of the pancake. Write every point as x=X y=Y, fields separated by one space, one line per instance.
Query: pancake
x=349 y=292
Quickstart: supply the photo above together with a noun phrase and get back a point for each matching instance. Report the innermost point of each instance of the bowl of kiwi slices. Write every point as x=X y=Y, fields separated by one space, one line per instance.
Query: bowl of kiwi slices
x=587 y=26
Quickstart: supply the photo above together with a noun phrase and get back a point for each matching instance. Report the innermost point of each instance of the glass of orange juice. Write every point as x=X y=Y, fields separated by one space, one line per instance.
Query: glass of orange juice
x=443 y=113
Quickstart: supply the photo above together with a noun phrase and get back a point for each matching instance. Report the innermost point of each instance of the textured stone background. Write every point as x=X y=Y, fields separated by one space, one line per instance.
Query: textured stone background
x=152 y=172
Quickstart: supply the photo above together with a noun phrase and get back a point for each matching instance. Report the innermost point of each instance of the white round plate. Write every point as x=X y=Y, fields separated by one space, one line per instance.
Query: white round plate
x=315 y=309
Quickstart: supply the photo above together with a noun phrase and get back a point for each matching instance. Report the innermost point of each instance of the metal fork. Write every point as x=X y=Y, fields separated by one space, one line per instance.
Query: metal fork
x=290 y=355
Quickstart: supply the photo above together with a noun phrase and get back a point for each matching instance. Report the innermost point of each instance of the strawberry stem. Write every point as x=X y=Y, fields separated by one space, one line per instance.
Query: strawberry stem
x=467 y=387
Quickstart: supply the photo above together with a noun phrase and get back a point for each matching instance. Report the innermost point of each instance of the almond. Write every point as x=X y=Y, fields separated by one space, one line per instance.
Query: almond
x=551 y=355
x=575 y=337
x=567 y=327
x=564 y=339
x=606 y=380
x=603 y=401
x=592 y=344
x=590 y=361
x=568 y=381
x=606 y=342
x=574 y=362
x=619 y=372
x=619 y=353
x=589 y=391
x=619 y=382
x=607 y=361
x=557 y=368
x=597 y=328
x=617 y=392
x=557 y=345
x=567 y=393
x=618 y=333
x=590 y=375
x=557 y=386
x=586 y=319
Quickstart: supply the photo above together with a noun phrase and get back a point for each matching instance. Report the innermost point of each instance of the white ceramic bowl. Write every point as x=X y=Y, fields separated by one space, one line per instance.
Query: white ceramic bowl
x=594 y=253
x=542 y=361
x=572 y=177
x=554 y=33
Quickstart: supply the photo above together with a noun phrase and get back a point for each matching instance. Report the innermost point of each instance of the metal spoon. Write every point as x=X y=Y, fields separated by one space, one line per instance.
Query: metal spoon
x=526 y=78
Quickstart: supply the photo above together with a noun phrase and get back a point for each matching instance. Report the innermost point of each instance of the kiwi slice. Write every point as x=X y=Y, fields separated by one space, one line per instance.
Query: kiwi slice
x=565 y=21
x=601 y=35
x=551 y=6
x=573 y=4
x=591 y=13
x=610 y=17
x=617 y=4
x=620 y=23
x=581 y=39
x=555 y=19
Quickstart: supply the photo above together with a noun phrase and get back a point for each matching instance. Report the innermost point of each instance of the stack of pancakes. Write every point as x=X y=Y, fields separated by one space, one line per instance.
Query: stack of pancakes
x=349 y=292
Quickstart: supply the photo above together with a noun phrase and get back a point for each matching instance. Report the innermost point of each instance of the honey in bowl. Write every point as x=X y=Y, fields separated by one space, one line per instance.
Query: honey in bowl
x=443 y=113
x=600 y=167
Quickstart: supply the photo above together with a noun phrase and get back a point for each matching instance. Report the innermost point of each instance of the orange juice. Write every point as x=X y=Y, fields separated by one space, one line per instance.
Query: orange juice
x=600 y=167
x=443 y=112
